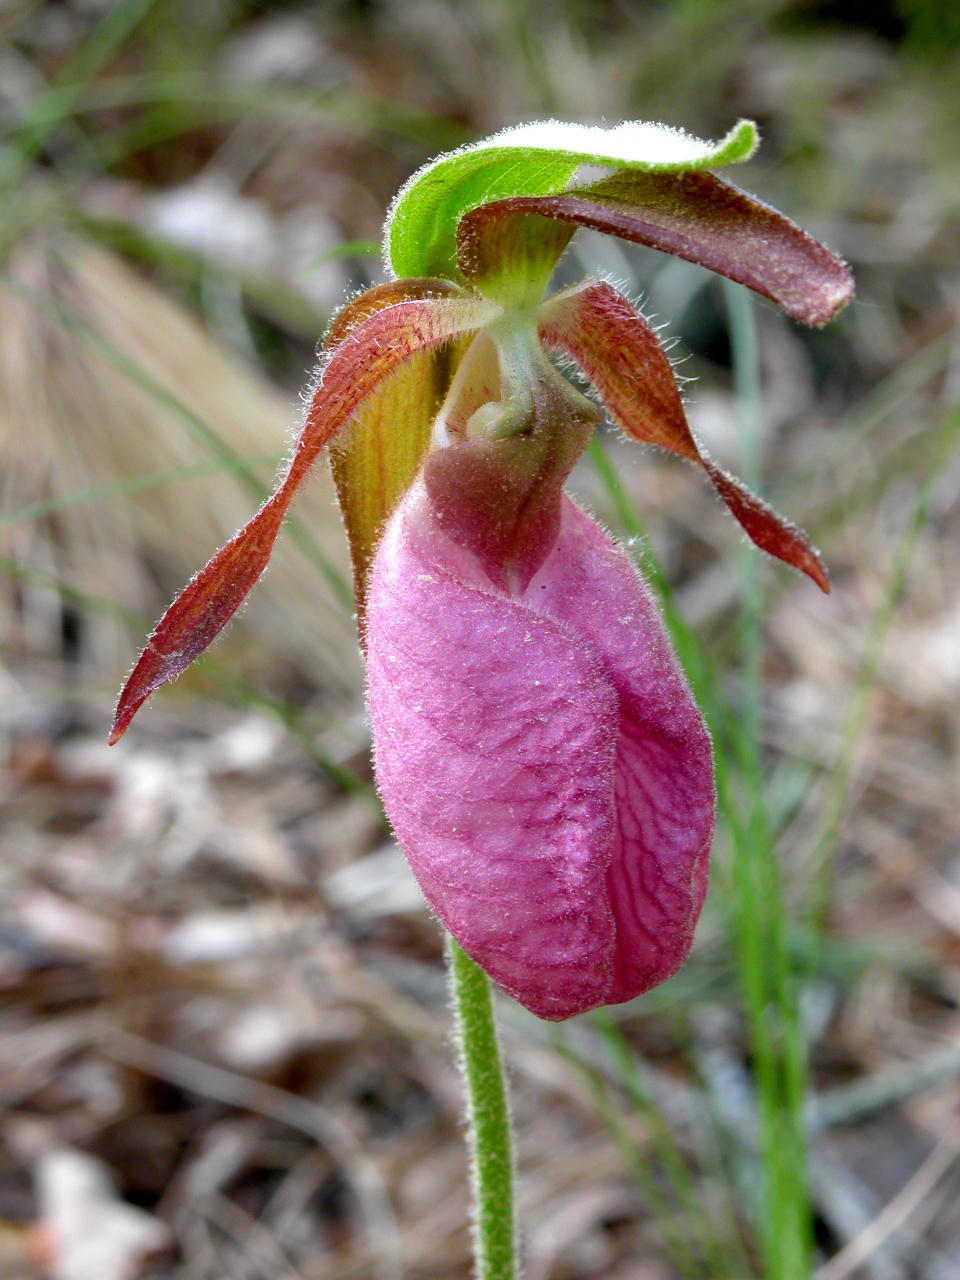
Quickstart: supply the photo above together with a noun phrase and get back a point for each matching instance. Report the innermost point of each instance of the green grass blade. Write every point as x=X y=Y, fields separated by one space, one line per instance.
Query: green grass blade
x=946 y=437
x=759 y=909
x=237 y=690
x=719 y=1265
x=49 y=110
x=687 y=1262
x=128 y=486
x=210 y=101
x=850 y=430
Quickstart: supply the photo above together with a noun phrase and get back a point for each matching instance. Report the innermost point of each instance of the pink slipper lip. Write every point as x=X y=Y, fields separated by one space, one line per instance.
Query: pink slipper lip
x=541 y=759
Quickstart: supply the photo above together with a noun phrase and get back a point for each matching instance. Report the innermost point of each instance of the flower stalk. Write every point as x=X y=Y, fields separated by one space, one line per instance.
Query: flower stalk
x=489 y=1136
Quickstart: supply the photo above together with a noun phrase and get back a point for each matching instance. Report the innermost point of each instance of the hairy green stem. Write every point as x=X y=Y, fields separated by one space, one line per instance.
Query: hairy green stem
x=488 y=1119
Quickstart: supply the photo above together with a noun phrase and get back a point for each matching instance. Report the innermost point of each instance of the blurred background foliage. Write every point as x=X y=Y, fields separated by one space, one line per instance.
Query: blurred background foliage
x=221 y=988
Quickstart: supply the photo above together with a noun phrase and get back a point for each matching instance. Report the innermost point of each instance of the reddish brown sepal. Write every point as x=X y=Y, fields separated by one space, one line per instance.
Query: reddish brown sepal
x=620 y=355
x=371 y=349
x=505 y=253
x=693 y=215
x=381 y=296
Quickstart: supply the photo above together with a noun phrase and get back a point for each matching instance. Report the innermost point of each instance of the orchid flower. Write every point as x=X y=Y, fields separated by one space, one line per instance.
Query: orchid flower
x=536 y=746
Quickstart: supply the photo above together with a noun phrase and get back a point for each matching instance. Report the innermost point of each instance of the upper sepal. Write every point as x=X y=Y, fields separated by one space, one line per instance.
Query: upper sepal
x=692 y=215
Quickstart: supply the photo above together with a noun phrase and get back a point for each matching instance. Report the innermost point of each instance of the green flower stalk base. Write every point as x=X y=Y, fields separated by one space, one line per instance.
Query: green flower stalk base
x=488 y=1119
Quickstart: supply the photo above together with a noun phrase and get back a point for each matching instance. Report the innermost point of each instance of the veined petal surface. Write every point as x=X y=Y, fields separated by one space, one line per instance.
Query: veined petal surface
x=541 y=759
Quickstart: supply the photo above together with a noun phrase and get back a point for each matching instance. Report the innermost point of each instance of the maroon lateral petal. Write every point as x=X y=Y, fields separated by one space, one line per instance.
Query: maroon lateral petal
x=371 y=349
x=693 y=215
x=620 y=355
x=381 y=296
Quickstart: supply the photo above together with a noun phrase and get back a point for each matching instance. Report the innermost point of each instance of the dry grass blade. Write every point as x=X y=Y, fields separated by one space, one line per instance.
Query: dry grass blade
x=265 y=1099
x=893 y=1216
x=71 y=420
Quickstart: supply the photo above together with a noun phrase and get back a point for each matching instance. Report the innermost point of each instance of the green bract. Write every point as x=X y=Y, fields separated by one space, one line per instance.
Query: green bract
x=532 y=160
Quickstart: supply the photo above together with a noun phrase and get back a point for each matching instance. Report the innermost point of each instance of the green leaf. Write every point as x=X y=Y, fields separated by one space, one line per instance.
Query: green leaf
x=420 y=236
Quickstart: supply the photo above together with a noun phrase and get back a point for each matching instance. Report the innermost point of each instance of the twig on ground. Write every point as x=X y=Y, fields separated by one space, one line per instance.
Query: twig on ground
x=286 y=1108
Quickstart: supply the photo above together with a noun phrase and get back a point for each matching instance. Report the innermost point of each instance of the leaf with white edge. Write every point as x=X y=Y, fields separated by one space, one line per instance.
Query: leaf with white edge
x=620 y=355
x=532 y=160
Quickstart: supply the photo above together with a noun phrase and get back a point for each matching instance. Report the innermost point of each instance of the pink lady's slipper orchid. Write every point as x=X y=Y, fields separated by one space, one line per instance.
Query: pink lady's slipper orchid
x=536 y=746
